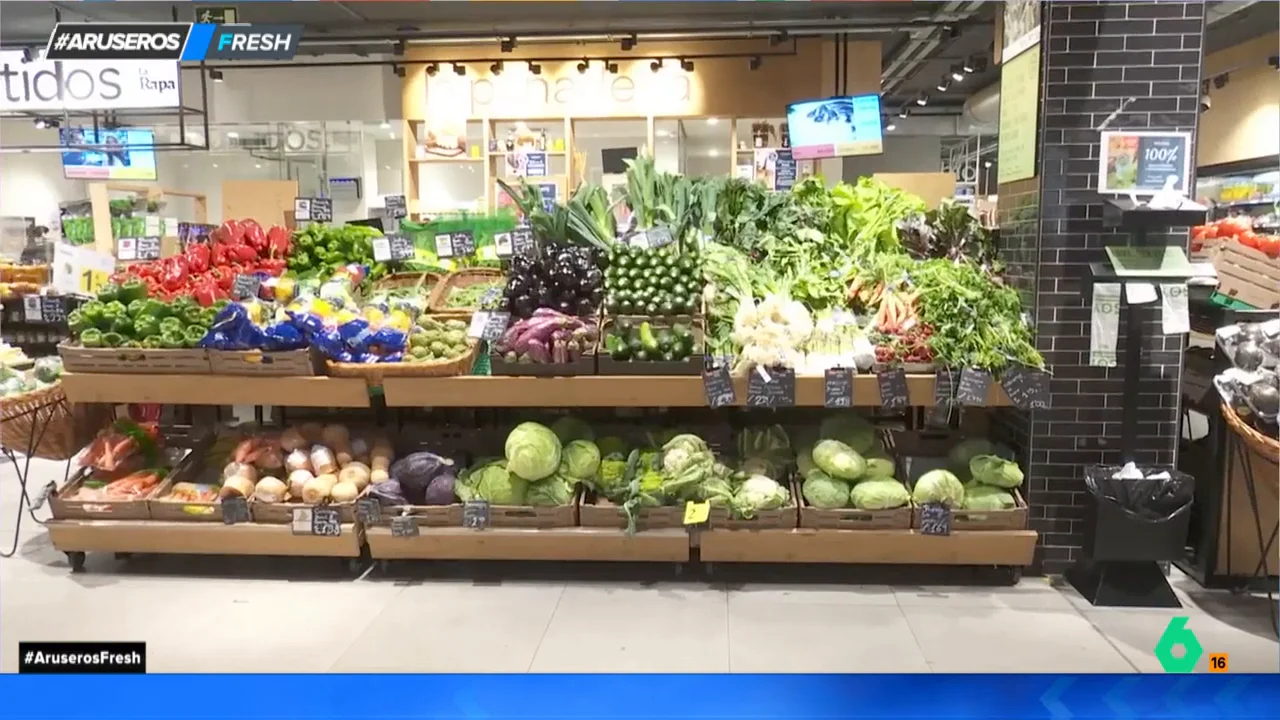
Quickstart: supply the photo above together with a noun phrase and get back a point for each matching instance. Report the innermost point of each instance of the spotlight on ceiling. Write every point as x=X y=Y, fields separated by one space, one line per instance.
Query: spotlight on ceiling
x=508 y=44
x=902 y=111
x=656 y=65
x=986 y=163
x=582 y=66
x=215 y=75
x=432 y=69
x=535 y=68
x=970 y=64
x=890 y=126
x=399 y=70
x=755 y=62
x=686 y=65
x=957 y=72
x=923 y=99
x=628 y=43
x=459 y=69
x=496 y=68
x=944 y=84
x=611 y=67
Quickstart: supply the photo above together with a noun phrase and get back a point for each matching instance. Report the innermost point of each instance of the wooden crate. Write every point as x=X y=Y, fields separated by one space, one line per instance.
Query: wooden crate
x=424 y=515
x=1247 y=275
x=519 y=516
x=134 y=361
x=854 y=519
x=65 y=509
x=784 y=518
x=282 y=513
x=177 y=511
x=1011 y=519
x=604 y=514
x=266 y=364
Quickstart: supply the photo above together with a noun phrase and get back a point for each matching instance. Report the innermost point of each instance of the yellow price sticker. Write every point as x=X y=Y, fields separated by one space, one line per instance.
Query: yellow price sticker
x=696 y=513
x=92 y=280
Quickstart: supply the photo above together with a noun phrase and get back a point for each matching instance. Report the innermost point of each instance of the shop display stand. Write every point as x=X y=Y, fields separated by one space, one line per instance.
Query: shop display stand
x=1006 y=550
x=39 y=425
x=1131 y=576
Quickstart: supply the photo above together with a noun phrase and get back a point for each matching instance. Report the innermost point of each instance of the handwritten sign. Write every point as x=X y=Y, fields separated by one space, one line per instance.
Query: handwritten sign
x=717 y=384
x=935 y=519
x=771 y=387
x=404 y=526
x=396 y=206
x=837 y=388
x=235 y=510
x=1027 y=388
x=368 y=511
x=475 y=514
x=894 y=395
x=973 y=388
x=326 y=522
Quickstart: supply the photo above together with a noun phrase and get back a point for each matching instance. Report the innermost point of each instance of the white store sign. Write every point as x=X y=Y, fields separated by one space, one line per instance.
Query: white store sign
x=56 y=85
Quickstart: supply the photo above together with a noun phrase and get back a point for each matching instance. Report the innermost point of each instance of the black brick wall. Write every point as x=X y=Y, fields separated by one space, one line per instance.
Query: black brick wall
x=1094 y=55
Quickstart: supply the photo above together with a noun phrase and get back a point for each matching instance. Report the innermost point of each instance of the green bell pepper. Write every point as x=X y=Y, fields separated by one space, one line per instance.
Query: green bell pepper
x=172 y=340
x=152 y=342
x=193 y=316
x=145 y=326
x=219 y=306
x=123 y=325
x=156 y=309
x=193 y=335
x=113 y=310
x=109 y=293
x=92 y=312
x=91 y=338
x=132 y=344
x=132 y=290
x=134 y=308
x=181 y=303
x=112 y=339
x=207 y=316
x=170 y=324
x=77 y=322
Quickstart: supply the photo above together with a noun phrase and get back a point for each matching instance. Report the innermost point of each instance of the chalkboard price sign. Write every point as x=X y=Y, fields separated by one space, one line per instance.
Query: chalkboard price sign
x=475 y=514
x=235 y=510
x=326 y=522
x=1027 y=388
x=771 y=387
x=893 y=389
x=935 y=519
x=404 y=526
x=368 y=511
x=148 y=248
x=464 y=243
x=837 y=388
x=523 y=243
x=973 y=388
x=245 y=287
x=717 y=383
x=396 y=207
x=321 y=209
x=52 y=309
x=944 y=393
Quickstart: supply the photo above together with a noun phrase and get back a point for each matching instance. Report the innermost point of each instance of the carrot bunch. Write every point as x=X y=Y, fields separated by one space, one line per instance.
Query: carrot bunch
x=133 y=486
x=121 y=444
x=897 y=312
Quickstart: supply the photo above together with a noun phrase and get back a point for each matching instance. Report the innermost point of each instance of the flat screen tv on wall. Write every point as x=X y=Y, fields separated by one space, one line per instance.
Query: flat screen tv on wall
x=121 y=154
x=835 y=127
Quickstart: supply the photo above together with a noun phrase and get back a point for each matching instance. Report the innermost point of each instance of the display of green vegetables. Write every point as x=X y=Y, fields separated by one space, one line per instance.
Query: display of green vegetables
x=643 y=341
x=123 y=316
x=653 y=282
x=318 y=250
x=432 y=339
x=466 y=297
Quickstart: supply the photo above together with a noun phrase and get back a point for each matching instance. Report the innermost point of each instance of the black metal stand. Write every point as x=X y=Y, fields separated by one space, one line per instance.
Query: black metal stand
x=39 y=425
x=1122 y=584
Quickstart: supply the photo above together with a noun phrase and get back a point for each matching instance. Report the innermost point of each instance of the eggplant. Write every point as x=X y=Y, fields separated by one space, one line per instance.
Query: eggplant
x=565 y=306
x=592 y=278
x=523 y=305
x=546 y=297
x=522 y=266
x=585 y=307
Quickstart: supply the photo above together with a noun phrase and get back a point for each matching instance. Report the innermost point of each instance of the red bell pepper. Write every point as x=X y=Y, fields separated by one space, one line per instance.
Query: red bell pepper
x=242 y=253
x=254 y=236
x=197 y=256
x=233 y=232
x=218 y=255
x=175 y=274
x=279 y=242
x=272 y=266
x=203 y=293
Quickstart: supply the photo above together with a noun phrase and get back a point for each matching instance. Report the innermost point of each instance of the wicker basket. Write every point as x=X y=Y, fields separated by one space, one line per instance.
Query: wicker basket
x=374 y=372
x=460 y=279
x=396 y=281
x=43 y=424
x=1267 y=447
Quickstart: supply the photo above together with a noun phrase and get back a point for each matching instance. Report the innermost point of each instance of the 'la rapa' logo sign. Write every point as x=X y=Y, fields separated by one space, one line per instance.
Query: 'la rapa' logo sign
x=56 y=85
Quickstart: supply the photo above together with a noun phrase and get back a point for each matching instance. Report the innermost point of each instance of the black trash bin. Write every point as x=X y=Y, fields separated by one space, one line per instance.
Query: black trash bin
x=1130 y=527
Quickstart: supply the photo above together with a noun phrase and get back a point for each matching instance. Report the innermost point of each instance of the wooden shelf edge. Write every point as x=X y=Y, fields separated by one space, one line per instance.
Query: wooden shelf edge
x=565 y=544
x=888 y=547
x=198 y=538
x=317 y=391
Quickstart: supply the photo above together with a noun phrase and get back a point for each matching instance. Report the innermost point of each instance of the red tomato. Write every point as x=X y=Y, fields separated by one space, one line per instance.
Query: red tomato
x=1269 y=244
x=1248 y=239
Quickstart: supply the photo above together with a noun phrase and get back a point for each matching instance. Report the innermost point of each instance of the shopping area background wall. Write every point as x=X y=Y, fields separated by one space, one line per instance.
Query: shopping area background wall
x=1244 y=120
x=1095 y=56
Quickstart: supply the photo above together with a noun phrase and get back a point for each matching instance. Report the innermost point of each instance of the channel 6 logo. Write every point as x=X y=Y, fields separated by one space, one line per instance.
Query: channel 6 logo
x=172 y=41
x=1177 y=636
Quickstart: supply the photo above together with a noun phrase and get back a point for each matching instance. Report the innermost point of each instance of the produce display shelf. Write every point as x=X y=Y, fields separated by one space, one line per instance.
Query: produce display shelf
x=622 y=391
x=216 y=390
x=576 y=543
x=198 y=538
x=897 y=547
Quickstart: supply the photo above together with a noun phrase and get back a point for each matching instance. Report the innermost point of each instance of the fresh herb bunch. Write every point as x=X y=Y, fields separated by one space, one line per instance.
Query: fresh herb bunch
x=950 y=232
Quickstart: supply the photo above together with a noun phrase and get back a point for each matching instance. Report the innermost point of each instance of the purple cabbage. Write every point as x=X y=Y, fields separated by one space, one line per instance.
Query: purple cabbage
x=416 y=473
x=388 y=493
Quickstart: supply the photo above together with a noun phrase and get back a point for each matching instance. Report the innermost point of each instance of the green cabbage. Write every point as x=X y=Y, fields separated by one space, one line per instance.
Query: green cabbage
x=532 y=451
x=995 y=470
x=838 y=460
x=759 y=493
x=569 y=428
x=985 y=497
x=494 y=483
x=879 y=494
x=850 y=429
x=939 y=486
x=580 y=460
x=878 y=467
x=804 y=463
x=823 y=491
x=966 y=450
x=555 y=491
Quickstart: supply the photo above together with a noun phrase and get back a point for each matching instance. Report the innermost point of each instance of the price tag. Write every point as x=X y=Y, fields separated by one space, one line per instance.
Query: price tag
x=696 y=513
x=245 y=287
x=659 y=237
x=464 y=243
x=444 y=245
x=771 y=387
x=717 y=383
x=478 y=322
x=935 y=519
x=943 y=389
x=322 y=209
x=973 y=388
x=326 y=522
x=368 y=511
x=301 y=521
x=396 y=206
x=639 y=240
x=153 y=225
x=149 y=248
x=402 y=247
x=382 y=249
x=523 y=243
x=475 y=514
x=235 y=510
x=127 y=248
x=404 y=526
x=53 y=309
x=495 y=326
x=893 y=389
x=91 y=281
x=502 y=244
x=837 y=388
x=32 y=308
x=1027 y=388
x=302 y=209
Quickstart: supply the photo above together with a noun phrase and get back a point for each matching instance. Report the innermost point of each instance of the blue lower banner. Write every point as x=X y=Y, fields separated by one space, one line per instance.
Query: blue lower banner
x=718 y=697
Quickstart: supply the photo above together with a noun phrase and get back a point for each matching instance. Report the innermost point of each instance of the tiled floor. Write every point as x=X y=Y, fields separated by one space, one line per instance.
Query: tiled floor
x=251 y=615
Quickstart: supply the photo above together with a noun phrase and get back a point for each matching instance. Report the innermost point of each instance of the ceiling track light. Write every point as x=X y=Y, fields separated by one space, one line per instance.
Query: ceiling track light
x=611 y=67
x=656 y=65
x=970 y=64
x=628 y=43
x=535 y=68
x=686 y=65
x=400 y=71
x=215 y=74
x=944 y=84
x=496 y=68
x=459 y=69
x=957 y=72
x=923 y=99
x=508 y=44
x=582 y=66
x=903 y=112
x=432 y=69
x=399 y=48
x=1220 y=81
x=755 y=62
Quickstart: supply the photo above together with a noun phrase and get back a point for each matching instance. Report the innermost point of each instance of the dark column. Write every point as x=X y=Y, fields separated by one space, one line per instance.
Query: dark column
x=1095 y=56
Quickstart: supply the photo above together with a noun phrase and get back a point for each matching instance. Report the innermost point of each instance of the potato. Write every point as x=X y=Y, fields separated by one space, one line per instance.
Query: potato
x=317 y=490
x=344 y=492
x=236 y=486
x=270 y=490
x=356 y=473
x=297 y=481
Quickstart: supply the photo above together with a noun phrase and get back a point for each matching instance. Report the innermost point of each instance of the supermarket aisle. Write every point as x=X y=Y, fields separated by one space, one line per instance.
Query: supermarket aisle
x=269 y=619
